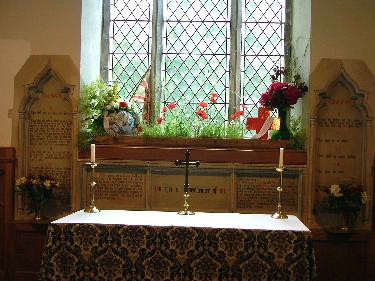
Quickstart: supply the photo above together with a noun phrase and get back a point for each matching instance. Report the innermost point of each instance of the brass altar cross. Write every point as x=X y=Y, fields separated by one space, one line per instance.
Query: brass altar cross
x=187 y=162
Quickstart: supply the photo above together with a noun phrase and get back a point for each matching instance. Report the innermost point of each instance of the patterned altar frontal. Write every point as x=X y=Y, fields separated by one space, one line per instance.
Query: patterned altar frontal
x=181 y=248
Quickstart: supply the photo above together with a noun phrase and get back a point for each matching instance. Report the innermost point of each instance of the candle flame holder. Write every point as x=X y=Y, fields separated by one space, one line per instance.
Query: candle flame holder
x=92 y=208
x=279 y=214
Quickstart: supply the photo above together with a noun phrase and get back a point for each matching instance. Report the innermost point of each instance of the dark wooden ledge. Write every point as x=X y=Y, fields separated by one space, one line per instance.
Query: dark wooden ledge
x=237 y=151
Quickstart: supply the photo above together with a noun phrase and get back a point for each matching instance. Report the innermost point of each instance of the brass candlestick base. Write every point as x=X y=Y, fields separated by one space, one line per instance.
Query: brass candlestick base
x=279 y=213
x=186 y=210
x=92 y=208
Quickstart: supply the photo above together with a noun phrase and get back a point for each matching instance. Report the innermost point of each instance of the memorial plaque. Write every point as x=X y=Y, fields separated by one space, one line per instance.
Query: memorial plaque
x=119 y=187
x=209 y=189
x=50 y=144
x=340 y=139
x=256 y=191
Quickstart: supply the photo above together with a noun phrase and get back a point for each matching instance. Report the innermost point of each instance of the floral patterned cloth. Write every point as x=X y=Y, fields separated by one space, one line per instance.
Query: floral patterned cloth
x=128 y=252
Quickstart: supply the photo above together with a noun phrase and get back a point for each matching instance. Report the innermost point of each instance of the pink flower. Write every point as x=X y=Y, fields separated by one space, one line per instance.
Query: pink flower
x=165 y=109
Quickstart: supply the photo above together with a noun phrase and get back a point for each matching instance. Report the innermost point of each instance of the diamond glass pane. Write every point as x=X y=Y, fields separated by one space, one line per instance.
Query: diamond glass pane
x=196 y=55
x=262 y=48
x=130 y=44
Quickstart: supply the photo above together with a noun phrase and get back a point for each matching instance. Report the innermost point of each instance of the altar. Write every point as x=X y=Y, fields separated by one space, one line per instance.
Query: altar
x=152 y=245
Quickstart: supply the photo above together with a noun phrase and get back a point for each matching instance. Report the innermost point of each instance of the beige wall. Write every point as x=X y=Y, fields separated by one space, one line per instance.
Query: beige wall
x=33 y=27
x=343 y=29
x=339 y=29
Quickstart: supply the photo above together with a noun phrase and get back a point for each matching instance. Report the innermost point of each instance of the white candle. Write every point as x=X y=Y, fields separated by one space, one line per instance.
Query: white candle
x=92 y=153
x=281 y=157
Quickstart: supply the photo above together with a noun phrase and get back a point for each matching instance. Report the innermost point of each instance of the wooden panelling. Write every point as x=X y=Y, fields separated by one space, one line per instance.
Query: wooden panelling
x=343 y=257
x=7 y=167
x=29 y=241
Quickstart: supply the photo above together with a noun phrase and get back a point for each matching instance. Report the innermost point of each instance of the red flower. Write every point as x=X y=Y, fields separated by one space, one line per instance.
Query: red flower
x=203 y=104
x=292 y=94
x=214 y=97
x=159 y=120
x=123 y=104
x=171 y=105
x=165 y=109
x=277 y=86
x=266 y=99
x=201 y=113
x=236 y=114
x=248 y=124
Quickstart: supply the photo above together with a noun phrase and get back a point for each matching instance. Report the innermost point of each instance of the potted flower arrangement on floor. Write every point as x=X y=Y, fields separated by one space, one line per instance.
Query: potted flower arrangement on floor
x=37 y=190
x=346 y=199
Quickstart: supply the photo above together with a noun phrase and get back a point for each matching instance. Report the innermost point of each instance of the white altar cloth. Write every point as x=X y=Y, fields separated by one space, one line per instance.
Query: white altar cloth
x=200 y=219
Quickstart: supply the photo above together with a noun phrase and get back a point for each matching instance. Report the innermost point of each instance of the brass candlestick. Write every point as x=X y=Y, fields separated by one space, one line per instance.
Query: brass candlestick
x=92 y=208
x=279 y=213
x=186 y=210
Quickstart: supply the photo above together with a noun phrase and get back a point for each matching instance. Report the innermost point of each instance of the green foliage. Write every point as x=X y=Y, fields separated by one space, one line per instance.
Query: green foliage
x=210 y=130
x=177 y=122
x=234 y=130
x=98 y=100
x=297 y=134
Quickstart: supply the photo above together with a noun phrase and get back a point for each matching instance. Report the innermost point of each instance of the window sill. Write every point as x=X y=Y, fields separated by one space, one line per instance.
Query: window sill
x=205 y=150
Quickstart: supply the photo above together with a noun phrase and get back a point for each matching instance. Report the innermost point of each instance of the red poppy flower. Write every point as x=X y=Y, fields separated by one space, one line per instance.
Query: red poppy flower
x=171 y=105
x=123 y=104
x=203 y=104
x=201 y=113
x=165 y=109
x=159 y=120
x=213 y=100
x=214 y=97
x=236 y=114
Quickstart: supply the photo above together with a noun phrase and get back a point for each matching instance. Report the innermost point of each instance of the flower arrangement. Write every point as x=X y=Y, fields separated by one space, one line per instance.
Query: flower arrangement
x=173 y=122
x=282 y=95
x=346 y=197
x=37 y=189
x=103 y=112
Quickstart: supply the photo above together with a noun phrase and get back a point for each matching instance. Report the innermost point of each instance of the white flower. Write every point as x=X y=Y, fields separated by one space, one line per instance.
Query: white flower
x=108 y=107
x=335 y=190
x=114 y=104
x=364 y=197
x=20 y=181
x=47 y=183
x=34 y=181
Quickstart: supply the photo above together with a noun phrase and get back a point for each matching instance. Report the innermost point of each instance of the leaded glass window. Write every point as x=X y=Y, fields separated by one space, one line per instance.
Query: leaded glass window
x=197 y=53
